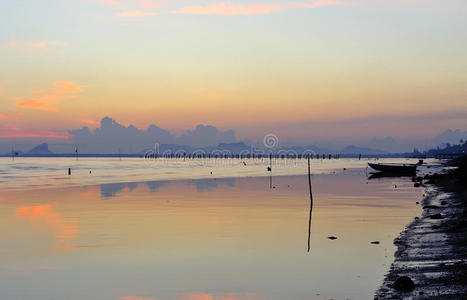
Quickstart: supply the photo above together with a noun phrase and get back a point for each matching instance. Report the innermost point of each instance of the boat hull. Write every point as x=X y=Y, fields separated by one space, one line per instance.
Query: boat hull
x=394 y=168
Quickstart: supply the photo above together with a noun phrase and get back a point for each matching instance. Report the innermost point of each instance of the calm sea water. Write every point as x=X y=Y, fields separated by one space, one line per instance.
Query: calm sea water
x=135 y=230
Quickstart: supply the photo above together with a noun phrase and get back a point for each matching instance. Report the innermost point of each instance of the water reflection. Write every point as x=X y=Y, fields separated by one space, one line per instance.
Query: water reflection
x=64 y=231
x=154 y=186
x=206 y=185
x=377 y=175
x=110 y=190
x=203 y=239
x=202 y=296
x=311 y=204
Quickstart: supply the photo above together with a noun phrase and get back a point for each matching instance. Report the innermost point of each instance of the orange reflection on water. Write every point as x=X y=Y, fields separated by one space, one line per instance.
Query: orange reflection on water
x=136 y=298
x=202 y=296
x=64 y=232
x=88 y=193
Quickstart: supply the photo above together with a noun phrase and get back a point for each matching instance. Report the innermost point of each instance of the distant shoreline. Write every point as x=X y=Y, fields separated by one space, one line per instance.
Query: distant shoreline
x=95 y=155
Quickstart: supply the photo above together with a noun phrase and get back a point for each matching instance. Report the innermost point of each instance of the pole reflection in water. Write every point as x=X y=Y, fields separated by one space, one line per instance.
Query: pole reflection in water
x=311 y=203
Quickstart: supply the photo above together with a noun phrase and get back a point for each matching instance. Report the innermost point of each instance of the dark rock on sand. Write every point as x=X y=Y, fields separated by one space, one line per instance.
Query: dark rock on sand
x=332 y=237
x=404 y=283
x=436 y=216
x=375 y=242
x=431 y=207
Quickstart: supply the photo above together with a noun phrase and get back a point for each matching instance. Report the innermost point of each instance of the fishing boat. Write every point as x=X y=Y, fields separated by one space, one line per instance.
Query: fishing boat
x=395 y=168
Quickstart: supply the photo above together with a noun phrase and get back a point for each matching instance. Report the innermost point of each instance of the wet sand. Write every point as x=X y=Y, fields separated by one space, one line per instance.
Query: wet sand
x=432 y=250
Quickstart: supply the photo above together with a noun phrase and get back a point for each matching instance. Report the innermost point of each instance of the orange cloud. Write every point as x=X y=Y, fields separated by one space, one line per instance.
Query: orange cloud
x=10 y=117
x=137 y=13
x=44 y=102
x=111 y=2
x=319 y=3
x=14 y=132
x=86 y=121
x=148 y=4
x=226 y=8
x=41 y=46
x=229 y=9
x=64 y=232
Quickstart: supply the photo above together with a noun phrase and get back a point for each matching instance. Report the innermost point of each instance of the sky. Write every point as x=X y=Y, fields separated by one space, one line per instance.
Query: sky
x=306 y=70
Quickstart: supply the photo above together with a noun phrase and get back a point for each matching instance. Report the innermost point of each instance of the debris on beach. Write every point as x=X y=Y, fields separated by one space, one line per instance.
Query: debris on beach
x=404 y=283
x=436 y=217
x=430 y=207
x=430 y=259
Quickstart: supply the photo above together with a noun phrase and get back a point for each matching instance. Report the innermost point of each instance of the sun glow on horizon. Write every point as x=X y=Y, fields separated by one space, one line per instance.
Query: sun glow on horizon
x=249 y=66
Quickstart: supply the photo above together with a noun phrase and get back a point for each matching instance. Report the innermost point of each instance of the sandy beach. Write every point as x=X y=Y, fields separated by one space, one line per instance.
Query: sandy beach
x=432 y=250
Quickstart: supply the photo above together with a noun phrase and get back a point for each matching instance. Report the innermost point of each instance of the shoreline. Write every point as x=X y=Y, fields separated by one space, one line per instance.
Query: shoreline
x=431 y=255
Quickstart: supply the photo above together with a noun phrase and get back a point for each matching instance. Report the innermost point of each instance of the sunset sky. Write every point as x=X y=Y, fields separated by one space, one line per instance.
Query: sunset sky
x=306 y=69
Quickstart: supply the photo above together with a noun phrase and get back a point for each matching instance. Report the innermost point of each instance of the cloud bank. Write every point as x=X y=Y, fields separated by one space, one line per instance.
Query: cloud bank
x=112 y=137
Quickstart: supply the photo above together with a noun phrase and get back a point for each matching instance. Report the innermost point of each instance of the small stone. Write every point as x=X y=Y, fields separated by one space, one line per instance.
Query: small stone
x=332 y=237
x=375 y=243
x=436 y=217
x=404 y=283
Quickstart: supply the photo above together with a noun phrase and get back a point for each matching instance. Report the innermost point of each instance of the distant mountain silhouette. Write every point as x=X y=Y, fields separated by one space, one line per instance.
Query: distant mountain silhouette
x=388 y=143
x=42 y=149
x=451 y=137
x=233 y=147
x=360 y=150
